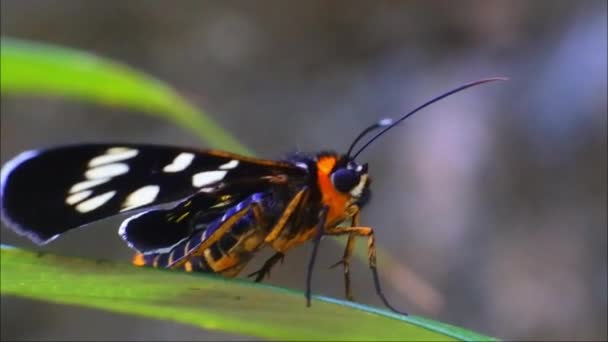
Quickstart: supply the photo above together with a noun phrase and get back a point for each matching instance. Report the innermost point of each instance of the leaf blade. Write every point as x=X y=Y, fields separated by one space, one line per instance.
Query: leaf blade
x=206 y=301
x=43 y=69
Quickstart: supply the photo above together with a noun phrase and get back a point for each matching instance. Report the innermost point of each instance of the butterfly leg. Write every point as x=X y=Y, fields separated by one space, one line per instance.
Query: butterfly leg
x=345 y=262
x=264 y=271
x=276 y=231
x=311 y=263
x=371 y=255
x=348 y=253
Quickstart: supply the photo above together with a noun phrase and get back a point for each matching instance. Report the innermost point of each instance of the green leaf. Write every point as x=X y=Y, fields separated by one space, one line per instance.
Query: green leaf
x=44 y=69
x=208 y=301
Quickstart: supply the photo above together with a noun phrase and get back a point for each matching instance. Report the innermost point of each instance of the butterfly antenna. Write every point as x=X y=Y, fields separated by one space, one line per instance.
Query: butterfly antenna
x=442 y=96
x=382 y=123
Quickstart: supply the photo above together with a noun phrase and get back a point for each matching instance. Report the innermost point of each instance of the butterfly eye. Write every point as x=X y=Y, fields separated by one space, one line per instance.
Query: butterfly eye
x=345 y=179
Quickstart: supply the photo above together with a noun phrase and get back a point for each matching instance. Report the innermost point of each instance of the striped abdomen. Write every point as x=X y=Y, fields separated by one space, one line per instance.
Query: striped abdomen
x=224 y=246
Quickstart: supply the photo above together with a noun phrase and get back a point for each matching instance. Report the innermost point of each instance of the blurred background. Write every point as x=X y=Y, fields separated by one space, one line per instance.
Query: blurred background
x=493 y=202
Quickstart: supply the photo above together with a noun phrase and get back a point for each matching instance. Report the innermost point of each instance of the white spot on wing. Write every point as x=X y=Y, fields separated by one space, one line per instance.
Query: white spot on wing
x=87 y=184
x=229 y=165
x=112 y=157
x=107 y=171
x=113 y=150
x=77 y=197
x=302 y=165
x=180 y=163
x=95 y=202
x=141 y=196
x=207 y=177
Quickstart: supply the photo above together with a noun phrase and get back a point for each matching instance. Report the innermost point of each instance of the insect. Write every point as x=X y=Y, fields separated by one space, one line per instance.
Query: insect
x=225 y=207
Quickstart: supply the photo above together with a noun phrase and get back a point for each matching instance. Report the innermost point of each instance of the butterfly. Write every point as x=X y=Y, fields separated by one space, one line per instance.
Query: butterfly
x=221 y=208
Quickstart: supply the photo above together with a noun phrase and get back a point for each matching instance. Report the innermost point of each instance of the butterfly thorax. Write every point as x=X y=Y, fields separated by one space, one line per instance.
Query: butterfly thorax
x=323 y=189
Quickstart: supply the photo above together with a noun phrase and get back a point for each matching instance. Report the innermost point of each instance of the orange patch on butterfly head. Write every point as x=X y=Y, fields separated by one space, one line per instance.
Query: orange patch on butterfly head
x=332 y=198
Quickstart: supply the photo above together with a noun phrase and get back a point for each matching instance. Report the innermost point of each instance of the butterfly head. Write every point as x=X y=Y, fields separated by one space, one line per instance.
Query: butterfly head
x=351 y=179
x=343 y=181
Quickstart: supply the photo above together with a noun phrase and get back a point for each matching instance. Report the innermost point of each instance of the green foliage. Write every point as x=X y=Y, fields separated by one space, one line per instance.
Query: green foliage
x=208 y=301
x=41 y=69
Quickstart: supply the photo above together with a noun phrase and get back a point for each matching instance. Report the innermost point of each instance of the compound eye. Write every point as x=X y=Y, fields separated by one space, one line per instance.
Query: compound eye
x=345 y=179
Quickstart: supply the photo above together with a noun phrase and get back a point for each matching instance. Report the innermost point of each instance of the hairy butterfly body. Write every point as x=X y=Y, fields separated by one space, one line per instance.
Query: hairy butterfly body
x=221 y=209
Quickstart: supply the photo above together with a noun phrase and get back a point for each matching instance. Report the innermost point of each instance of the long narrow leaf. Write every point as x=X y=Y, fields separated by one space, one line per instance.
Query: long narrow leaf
x=42 y=69
x=209 y=302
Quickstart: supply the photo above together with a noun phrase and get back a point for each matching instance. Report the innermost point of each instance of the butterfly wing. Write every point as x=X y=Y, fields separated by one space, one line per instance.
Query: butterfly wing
x=159 y=230
x=45 y=193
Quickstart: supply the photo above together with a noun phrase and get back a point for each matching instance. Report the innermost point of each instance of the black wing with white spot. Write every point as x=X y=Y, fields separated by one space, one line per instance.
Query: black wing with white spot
x=45 y=193
x=160 y=229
